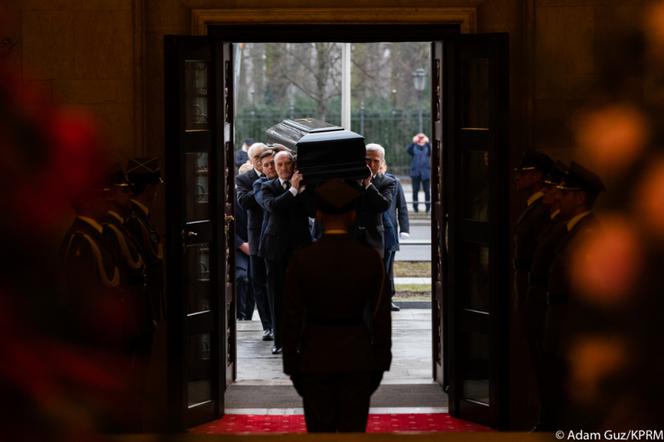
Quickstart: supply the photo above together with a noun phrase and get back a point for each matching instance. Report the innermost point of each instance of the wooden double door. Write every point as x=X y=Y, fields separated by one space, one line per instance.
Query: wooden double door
x=470 y=282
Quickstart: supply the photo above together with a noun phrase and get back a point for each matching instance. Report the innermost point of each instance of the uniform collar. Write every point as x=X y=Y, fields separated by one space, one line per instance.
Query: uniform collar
x=93 y=223
x=141 y=206
x=116 y=215
x=534 y=197
x=574 y=221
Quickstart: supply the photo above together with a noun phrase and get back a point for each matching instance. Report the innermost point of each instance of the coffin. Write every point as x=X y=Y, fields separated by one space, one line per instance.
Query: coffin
x=324 y=151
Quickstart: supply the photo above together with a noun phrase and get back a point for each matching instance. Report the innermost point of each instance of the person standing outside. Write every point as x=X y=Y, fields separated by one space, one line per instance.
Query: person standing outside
x=420 y=169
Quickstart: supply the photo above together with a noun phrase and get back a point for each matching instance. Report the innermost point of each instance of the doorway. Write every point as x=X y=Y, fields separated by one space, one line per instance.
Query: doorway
x=390 y=90
x=468 y=80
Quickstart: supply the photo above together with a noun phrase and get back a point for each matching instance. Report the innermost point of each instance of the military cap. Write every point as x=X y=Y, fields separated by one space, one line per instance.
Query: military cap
x=144 y=171
x=116 y=177
x=580 y=178
x=336 y=196
x=534 y=160
x=556 y=174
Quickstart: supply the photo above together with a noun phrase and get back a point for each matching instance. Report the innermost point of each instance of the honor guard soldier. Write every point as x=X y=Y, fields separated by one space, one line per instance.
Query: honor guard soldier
x=336 y=328
x=529 y=180
x=145 y=178
x=579 y=190
x=102 y=308
x=535 y=303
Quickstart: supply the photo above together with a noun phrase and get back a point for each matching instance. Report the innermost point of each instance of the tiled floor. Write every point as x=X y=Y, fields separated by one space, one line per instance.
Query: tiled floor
x=411 y=352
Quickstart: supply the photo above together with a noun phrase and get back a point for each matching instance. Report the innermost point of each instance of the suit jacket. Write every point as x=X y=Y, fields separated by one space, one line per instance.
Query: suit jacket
x=241 y=260
x=246 y=197
x=375 y=200
x=395 y=219
x=288 y=225
x=336 y=317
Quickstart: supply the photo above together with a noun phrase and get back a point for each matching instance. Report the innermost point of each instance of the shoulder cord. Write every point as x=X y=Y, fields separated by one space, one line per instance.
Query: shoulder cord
x=134 y=264
x=159 y=253
x=108 y=282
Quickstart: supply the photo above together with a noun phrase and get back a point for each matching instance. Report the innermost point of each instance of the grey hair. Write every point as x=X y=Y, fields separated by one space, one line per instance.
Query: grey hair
x=374 y=147
x=284 y=152
x=254 y=147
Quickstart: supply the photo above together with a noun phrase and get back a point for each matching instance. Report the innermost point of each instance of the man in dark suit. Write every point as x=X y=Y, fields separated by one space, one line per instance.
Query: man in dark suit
x=529 y=180
x=336 y=329
x=246 y=197
x=395 y=222
x=284 y=198
x=376 y=199
x=579 y=190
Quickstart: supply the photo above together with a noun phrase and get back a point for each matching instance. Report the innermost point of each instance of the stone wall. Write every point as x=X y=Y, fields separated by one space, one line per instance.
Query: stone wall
x=85 y=53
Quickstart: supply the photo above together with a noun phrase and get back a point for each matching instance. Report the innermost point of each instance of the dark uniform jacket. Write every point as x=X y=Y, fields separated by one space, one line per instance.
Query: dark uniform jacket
x=559 y=280
x=288 y=225
x=335 y=317
x=395 y=219
x=132 y=268
x=94 y=289
x=375 y=200
x=140 y=227
x=526 y=235
x=241 y=235
x=246 y=197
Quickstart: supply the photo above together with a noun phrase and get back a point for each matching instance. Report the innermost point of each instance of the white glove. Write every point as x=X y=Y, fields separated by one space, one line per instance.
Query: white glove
x=404 y=235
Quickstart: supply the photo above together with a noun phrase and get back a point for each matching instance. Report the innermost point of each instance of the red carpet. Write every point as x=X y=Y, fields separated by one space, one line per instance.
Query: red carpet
x=378 y=423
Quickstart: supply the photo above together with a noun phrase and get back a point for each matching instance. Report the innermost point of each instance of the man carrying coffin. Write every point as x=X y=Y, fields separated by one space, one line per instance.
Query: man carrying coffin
x=288 y=228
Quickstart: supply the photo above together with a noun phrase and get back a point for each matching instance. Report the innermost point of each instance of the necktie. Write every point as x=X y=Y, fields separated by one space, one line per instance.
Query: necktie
x=286 y=184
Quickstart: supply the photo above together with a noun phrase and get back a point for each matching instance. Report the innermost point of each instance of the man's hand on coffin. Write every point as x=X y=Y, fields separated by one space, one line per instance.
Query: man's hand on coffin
x=296 y=180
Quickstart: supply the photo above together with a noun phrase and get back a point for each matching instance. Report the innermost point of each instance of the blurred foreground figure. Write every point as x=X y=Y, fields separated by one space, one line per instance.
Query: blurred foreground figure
x=64 y=371
x=336 y=328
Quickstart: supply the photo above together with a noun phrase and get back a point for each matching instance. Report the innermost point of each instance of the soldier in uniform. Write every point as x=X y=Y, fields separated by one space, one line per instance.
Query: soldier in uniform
x=104 y=319
x=336 y=328
x=529 y=180
x=579 y=190
x=535 y=303
x=145 y=178
x=132 y=274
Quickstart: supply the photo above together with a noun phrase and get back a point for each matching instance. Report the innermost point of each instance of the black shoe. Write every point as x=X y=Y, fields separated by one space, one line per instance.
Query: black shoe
x=276 y=350
x=395 y=308
x=267 y=335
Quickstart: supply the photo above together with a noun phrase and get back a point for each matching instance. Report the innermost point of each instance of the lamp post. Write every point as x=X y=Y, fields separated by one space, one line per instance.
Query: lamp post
x=419 y=82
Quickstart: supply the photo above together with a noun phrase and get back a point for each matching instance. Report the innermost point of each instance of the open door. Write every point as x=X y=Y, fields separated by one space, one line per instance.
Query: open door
x=471 y=223
x=199 y=208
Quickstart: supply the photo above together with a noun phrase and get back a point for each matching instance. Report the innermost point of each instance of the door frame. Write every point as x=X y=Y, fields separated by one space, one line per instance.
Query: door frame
x=249 y=25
